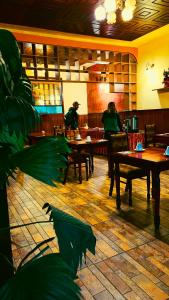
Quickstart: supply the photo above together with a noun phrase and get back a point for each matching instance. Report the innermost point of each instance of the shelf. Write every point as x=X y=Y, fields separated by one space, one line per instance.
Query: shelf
x=48 y=105
x=162 y=90
x=50 y=66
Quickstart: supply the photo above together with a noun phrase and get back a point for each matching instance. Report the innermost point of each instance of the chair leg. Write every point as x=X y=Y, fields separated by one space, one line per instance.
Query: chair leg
x=127 y=186
x=130 y=192
x=80 y=172
x=65 y=176
x=148 y=188
x=118 y=200
x=75 y=169
x=90 y=166
x=111 y=183
x=86 y=165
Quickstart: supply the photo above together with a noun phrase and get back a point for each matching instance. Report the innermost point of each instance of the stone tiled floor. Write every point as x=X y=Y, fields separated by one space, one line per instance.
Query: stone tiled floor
x=130 y=261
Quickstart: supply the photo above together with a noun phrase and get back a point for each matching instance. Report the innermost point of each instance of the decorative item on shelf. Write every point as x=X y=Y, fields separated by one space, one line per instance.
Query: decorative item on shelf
x=134 y=124
x=108 y=8
x=130 y=124
x=166 y=78
x=127 y=124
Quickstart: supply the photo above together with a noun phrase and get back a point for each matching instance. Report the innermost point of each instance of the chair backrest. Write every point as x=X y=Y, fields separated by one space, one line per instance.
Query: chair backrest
x=119 y=142
x=150 y=130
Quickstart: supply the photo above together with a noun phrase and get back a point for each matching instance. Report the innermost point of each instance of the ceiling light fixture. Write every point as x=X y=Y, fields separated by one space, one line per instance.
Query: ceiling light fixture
x=107 y=10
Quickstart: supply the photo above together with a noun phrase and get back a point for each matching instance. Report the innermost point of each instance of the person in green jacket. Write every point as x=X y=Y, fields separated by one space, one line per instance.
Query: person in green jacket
x=111 y=120
x=72 y=117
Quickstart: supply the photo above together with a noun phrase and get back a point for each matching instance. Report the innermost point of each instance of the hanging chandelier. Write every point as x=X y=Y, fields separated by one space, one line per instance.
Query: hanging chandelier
x=107 y=10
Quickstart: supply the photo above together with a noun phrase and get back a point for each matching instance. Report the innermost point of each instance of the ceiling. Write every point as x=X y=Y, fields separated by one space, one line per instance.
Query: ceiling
x=77 y=16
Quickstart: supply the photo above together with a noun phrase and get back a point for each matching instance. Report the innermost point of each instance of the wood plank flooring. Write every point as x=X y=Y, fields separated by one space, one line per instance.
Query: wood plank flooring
x=130 y=261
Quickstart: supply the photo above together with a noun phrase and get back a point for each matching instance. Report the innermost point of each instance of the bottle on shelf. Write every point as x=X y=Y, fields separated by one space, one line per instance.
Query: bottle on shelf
x=134 y=123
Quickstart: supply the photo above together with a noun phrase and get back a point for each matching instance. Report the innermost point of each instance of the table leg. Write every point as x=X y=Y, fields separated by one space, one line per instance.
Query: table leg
x=156 y=197
x=117 y=178
x=92 y=163
x=92 y=155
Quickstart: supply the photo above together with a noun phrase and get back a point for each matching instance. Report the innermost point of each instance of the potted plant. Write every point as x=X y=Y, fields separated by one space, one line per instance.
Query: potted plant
x=166 y=78
x=42 y=277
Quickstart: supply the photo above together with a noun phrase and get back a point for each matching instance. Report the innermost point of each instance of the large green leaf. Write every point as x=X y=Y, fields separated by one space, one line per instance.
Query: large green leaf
x=74 y=237
x=16 y=143
x=23 y=89
x=20 y=116
x=10 y=52
x=46 y=278
x=16 y=98
x=44 y=160
x=7 y=83
x=7 y=168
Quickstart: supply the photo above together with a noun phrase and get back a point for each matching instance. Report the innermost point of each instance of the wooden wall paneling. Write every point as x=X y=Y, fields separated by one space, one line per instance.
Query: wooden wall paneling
x=83 y=120
x=50 y=120
x=94 y=120
x=156 y=116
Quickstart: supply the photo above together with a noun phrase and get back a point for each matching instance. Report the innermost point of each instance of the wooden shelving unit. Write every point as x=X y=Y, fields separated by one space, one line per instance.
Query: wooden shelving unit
x=47 y=93
x=47 y=65
x=162 y=90
x=123 y=76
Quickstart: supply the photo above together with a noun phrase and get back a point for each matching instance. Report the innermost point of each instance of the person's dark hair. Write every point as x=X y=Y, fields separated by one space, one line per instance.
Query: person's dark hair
x=111 y=106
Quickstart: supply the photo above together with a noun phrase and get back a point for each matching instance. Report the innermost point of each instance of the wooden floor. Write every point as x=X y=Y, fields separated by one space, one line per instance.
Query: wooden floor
x=130 y=261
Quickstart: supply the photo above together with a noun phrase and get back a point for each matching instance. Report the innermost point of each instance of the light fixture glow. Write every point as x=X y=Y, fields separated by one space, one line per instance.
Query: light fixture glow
x=100 y=13
x=109 y=7
x=127 y=14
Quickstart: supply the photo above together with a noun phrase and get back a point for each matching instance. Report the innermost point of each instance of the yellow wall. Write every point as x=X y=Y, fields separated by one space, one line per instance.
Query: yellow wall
x=75 y=92
x=155 y=51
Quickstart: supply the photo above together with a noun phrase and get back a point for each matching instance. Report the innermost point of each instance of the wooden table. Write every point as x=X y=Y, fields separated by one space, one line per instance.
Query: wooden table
x=98 y=133
x=83 y=145
x=152 y=159
x=34 y=137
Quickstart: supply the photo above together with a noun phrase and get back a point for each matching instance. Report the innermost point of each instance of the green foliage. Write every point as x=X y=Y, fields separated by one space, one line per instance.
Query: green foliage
x=6 y=167
x=17 y=112
x=44 y=160
x=20 y=116
x=166 y=73
x=10 y=53
x=74 y=236
x=51 y=276
x=45 y=278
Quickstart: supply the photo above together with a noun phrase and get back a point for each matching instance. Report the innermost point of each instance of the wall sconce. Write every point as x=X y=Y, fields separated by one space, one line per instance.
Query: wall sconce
x=149 y=66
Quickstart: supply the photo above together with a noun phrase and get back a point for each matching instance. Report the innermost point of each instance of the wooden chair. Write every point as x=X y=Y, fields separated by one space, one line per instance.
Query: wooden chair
x=119 y=142
x=58 y=130
x=150 y=131
x=78 y=160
